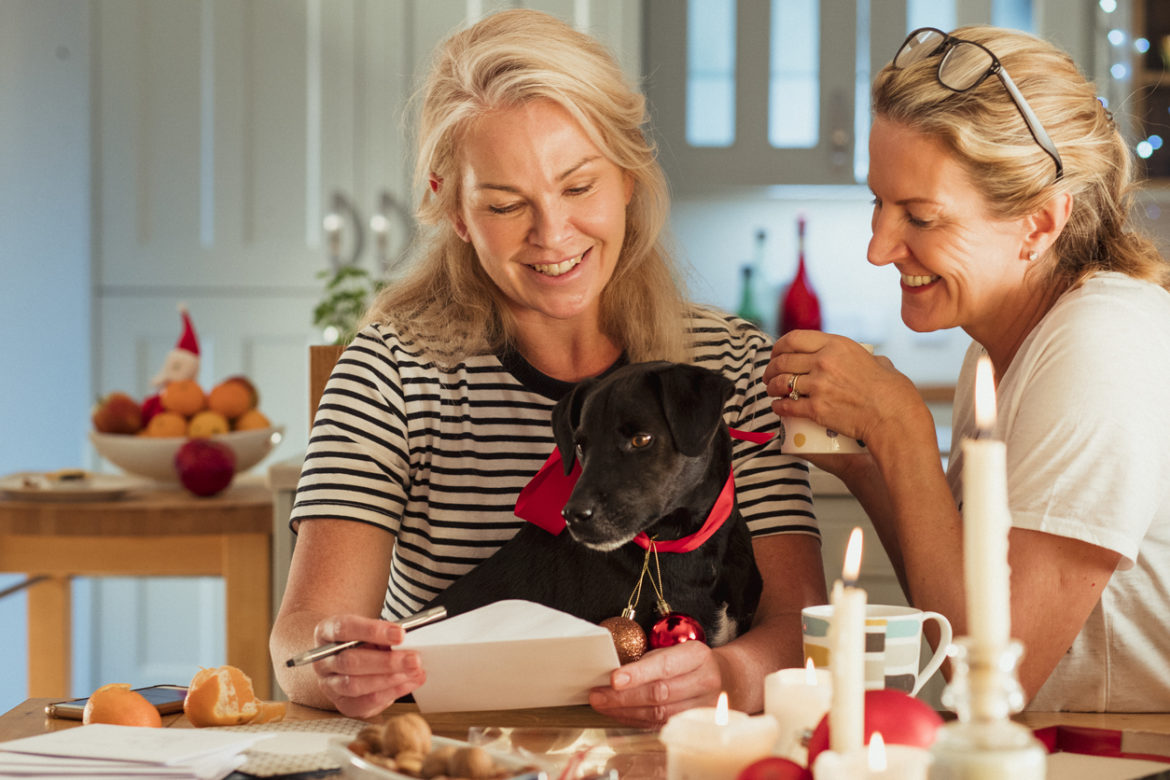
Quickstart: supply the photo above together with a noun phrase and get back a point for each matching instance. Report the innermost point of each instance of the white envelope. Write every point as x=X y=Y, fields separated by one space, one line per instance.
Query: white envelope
x=511 y=655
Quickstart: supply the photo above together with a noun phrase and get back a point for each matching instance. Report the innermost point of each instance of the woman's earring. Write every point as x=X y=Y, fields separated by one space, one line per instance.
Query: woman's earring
x=1032 y=256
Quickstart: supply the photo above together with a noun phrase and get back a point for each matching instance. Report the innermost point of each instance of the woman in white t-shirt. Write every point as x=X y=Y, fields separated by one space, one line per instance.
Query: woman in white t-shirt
x=1003 y=202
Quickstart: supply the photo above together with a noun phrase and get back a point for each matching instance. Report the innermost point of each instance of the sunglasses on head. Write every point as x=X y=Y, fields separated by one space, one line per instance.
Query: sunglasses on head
x=963 y=66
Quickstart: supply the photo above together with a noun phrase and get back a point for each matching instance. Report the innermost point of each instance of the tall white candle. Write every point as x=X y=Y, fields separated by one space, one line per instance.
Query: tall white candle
x=847 y=654
x=986 y=522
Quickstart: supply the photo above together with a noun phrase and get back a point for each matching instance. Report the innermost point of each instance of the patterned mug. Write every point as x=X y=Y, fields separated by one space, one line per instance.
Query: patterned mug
x=893 y=644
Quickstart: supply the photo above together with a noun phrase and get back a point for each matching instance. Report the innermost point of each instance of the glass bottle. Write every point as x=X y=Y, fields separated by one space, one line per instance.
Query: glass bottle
x=985 y=744
x=747 y=298
x=800 y=309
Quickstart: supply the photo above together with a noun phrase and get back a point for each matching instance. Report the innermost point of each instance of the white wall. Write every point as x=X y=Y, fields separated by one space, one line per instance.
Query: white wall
x=44 y=263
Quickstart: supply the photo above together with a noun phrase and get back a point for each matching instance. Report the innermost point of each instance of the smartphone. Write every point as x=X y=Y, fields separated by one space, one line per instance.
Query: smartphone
x=167 y=699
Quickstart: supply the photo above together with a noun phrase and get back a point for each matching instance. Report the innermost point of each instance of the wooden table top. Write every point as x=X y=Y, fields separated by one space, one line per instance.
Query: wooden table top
x=150 y=510
x=28 y=718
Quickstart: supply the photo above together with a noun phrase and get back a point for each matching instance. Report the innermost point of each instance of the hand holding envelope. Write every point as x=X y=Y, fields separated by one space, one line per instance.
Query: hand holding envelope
x=510 y=655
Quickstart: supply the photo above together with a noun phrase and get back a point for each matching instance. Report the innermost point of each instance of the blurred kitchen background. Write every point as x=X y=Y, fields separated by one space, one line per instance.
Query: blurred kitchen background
x=226 y=154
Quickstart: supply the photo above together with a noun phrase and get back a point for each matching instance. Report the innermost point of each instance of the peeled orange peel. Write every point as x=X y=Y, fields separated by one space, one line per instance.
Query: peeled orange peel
x=223 y=696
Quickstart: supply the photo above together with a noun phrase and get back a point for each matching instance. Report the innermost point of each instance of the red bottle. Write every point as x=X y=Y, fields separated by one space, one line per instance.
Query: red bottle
x=799 y=307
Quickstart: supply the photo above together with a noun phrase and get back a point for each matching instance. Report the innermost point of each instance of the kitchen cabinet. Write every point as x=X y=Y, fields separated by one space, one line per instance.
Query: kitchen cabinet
x=839 y=81
x=854 y=40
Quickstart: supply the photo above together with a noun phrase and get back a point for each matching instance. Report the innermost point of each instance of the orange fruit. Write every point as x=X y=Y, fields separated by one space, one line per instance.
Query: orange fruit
x=252 y=420
x=166 y=425
x=184 y=396
x=206 y=424
x=223 y=696
x=231 y=398
x=117 y=704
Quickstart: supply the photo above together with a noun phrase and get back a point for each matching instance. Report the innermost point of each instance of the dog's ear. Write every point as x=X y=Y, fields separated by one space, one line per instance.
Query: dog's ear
x=566 y=416
x=692 y=399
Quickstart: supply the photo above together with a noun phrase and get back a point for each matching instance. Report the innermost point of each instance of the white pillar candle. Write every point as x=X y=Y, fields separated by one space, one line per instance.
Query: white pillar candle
x=715 y=743
x=847 y=654
x=986 y=522
x=797 y=699
x=878 y=761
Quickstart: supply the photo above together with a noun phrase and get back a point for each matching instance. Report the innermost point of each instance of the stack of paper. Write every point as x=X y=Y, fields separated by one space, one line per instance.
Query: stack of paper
x=100 y=750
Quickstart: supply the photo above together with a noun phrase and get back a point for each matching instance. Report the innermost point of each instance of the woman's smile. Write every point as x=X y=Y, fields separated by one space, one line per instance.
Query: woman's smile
x=560 y=268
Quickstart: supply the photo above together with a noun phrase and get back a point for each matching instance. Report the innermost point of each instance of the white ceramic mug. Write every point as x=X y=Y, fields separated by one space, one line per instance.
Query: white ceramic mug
x=800 y=435
x=893 y=644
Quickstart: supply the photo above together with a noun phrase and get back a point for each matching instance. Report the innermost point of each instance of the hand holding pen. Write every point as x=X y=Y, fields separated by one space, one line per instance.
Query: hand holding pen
x=333 y=648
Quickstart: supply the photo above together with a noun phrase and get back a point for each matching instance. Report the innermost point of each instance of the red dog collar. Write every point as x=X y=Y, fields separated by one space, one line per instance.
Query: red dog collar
x=541 y=500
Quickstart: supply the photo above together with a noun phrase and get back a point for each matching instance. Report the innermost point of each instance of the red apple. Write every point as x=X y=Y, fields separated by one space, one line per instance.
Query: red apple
x=901 y=719
x=205 y=467
x=117 y=413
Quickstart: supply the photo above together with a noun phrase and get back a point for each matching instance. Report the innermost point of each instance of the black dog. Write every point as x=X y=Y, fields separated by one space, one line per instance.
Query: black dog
x=655 y=455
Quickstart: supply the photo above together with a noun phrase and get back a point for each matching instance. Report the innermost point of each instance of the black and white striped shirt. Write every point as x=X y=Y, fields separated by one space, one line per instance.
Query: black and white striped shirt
x=437 y=457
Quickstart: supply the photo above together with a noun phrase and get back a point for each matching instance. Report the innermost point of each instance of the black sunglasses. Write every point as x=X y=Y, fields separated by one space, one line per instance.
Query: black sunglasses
x=963 y=66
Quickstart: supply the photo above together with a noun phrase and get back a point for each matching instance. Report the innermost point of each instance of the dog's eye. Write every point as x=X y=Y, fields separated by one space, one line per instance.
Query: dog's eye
x=640 y=440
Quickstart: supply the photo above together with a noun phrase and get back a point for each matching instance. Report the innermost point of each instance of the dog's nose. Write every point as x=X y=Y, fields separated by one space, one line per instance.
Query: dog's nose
x=576 y=515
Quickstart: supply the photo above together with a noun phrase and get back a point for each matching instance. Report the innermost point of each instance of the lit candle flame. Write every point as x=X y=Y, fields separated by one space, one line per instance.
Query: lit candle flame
x=721 y=710
x=852 y=568
x=877 y=753
x=984 y=397
x=810 y=673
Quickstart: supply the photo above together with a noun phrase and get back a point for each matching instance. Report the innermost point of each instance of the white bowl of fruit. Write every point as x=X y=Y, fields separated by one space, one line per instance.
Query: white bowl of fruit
x=145 y=438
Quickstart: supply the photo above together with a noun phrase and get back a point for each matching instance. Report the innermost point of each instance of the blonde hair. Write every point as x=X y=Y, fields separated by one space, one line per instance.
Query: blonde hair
x=985 y=131
x=446 y=303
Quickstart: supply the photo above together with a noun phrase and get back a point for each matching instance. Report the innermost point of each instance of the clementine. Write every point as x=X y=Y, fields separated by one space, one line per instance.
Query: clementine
x=223 y=696
x=231 y=398
x=206 y=424
x=117 y=704
x=166 y=425
x=184 y=396
x=252 y=420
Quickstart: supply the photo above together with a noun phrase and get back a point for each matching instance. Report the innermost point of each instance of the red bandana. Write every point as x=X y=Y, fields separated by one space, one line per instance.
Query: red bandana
x=541 y=500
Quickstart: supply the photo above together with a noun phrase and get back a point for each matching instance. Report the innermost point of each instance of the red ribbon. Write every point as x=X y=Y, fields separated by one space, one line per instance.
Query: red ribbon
x=541 y=500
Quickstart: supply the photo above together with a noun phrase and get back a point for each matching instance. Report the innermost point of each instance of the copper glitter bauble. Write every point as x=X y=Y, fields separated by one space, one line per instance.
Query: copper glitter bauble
x=675 y=628
x=628 y=638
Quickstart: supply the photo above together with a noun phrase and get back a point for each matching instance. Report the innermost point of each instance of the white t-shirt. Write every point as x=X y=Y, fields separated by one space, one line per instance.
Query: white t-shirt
x=1084 y=409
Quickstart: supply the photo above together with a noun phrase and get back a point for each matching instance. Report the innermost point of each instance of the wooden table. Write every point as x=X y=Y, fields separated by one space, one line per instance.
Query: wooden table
x=158 y=530
x=29 y=719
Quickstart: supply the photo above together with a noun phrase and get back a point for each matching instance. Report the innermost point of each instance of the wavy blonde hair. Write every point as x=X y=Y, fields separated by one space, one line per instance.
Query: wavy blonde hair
x=446 y=303
x=987 y=135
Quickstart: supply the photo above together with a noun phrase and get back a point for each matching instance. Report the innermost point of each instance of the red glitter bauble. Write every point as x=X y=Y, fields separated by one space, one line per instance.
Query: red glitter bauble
x=674 y=628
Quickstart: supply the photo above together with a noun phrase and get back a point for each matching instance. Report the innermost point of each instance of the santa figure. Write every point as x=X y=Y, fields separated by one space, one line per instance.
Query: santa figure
x=183 y=361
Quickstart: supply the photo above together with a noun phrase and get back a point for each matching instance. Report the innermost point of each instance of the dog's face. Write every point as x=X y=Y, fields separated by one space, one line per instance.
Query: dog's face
x=644 y=436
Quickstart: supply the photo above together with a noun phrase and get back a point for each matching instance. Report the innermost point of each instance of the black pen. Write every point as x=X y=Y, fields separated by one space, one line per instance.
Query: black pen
x=333 y=648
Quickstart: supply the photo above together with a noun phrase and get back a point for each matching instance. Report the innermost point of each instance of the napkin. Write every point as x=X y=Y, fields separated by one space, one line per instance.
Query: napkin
x=512 y=654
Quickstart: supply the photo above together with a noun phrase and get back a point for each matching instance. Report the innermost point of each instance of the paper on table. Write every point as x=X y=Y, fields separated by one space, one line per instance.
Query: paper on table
x=141 y=751
x=510 y=655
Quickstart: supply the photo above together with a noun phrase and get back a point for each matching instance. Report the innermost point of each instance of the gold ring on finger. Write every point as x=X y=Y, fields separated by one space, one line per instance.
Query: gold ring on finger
x=794 y=394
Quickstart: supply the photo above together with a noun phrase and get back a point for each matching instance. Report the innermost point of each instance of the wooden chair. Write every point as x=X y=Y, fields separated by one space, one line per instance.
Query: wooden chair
x=322 y=357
